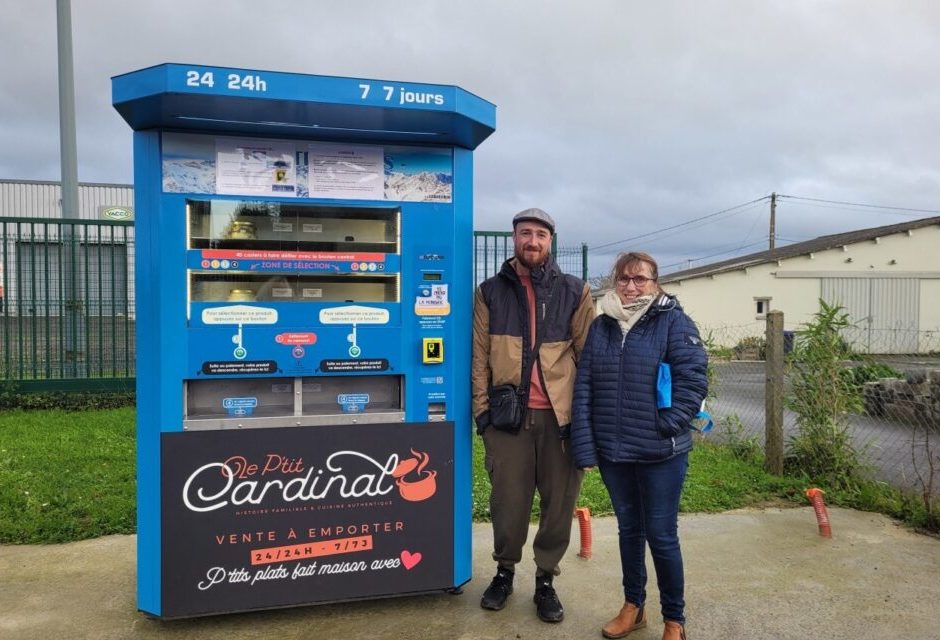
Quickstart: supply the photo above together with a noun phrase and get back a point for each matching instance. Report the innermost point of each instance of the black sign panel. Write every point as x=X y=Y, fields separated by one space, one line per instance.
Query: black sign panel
x=260 y=518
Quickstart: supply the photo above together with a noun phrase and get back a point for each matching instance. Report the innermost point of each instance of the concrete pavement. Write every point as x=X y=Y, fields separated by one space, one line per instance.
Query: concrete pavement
x=750 y=574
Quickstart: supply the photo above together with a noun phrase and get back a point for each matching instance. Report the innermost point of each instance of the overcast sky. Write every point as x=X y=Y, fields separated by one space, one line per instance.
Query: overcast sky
x=620 y=118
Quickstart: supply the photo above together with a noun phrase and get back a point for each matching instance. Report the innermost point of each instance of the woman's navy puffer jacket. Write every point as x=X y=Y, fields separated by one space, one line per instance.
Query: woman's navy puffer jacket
x=614 y=413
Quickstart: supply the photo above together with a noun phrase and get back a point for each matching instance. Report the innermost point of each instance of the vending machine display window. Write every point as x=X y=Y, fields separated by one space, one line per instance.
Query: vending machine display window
x=244 y=286
x=276 y=226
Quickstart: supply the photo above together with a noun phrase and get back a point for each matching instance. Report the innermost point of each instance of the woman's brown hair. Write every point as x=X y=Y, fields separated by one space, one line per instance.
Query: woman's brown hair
x=630 y=259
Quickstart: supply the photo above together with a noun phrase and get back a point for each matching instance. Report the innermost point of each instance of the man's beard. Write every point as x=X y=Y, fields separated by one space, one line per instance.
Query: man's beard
x=539 y=260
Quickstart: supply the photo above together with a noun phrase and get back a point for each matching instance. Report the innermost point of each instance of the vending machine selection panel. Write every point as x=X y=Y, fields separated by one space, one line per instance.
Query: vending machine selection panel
x=303 y=334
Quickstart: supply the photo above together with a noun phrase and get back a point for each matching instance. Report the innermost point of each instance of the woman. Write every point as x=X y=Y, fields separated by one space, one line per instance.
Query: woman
x=639 y=438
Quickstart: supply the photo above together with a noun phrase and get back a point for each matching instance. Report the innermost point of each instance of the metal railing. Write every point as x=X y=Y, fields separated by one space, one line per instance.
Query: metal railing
x=67 y=307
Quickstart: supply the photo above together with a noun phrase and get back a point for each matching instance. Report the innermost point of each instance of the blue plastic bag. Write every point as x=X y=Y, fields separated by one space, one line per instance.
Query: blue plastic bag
x=702 y=421
x=664 y=386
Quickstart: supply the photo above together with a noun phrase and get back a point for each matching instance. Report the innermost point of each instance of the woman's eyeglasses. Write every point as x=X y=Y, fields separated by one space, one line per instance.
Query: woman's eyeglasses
x=638 y=281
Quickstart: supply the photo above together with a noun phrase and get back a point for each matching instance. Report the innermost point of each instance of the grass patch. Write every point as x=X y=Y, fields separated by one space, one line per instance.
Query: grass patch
x=66 y=475
x=593 y=493
x=718 y=480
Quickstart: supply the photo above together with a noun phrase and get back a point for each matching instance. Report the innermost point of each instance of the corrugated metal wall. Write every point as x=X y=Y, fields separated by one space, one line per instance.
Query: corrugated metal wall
x=36 y=199
x=885 y=312
x=895 y=304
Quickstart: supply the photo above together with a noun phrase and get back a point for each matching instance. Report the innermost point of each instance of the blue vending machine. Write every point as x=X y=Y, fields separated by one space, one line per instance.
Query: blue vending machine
x=303 y=299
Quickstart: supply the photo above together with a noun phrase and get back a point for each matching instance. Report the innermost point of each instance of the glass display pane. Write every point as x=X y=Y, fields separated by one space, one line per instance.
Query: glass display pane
x=274 y=226
x=245 y=286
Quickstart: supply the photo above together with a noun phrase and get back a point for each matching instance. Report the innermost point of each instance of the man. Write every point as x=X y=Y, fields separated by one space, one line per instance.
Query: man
x=530 y=302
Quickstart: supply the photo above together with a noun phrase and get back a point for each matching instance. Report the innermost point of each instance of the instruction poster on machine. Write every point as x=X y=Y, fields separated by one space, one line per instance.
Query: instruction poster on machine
x=207 y=164
x=346 y=171
x=255 y=519
x=248 y=166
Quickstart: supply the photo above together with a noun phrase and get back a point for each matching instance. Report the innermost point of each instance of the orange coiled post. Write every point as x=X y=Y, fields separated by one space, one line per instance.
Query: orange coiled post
x=819 y=506
x=584 y=525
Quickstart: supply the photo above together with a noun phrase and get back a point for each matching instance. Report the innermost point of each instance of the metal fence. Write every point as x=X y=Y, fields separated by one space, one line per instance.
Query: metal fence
x=492 y=248
x=67 y=299
x=67 y=317
x=896 y=429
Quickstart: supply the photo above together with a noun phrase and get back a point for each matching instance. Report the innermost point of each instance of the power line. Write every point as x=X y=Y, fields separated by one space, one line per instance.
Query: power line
x=855 y=209
x=677 y=226
x=861 y=204
x=702 y=223
x=709 y=216
x=738 y=209
x=714 y=255
x=753 y=224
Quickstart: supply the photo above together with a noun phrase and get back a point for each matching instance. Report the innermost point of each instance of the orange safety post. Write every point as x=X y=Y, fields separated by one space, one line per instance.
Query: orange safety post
x=819 y=506
x=584 y=525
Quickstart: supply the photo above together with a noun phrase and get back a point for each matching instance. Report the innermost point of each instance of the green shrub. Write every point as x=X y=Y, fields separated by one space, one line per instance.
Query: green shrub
x=12 y=398
x=710 y=373
x=751 y=347
x=734 y=435
x=856 y=377
x=719 y=353
x=822 y=451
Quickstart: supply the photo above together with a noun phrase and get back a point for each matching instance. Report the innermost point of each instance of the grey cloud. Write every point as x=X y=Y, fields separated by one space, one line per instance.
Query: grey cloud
x=620 y=118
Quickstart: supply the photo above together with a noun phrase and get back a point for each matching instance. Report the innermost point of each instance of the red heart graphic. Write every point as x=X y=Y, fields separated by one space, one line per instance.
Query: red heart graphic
x=410 y=560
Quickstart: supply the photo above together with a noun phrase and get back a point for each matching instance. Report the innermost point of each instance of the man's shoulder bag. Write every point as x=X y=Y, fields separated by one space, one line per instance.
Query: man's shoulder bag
x=506 y=407
x=507 y=401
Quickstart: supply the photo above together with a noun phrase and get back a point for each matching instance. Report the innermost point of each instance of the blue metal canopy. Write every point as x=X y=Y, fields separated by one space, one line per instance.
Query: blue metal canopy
x=195 y=97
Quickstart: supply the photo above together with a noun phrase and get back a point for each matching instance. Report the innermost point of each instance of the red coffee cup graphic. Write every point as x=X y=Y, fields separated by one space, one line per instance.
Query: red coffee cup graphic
x=414 y=482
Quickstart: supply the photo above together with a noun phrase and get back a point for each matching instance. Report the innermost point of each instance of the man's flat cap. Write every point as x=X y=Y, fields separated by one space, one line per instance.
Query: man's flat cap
x=534 y=215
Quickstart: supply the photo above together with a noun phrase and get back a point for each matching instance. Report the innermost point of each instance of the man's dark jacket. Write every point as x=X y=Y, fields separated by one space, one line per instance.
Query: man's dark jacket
x=501 y=340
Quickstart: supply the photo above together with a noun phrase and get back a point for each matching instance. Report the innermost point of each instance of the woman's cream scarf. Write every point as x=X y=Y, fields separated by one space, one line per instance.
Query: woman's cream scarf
x=626 y=315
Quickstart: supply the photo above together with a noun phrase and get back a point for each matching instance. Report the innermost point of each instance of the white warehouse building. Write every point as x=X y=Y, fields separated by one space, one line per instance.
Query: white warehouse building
x=886 y=278
x=43 y=199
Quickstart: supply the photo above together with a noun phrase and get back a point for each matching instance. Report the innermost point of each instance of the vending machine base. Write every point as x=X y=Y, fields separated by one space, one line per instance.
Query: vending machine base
x=264 y=518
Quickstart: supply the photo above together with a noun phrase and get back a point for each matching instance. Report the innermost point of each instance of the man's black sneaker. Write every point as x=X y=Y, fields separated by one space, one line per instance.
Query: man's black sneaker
x=494 y=597
x=547 y=605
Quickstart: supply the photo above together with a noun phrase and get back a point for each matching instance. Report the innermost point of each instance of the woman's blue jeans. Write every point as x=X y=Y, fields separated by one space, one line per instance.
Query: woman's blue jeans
x=645 y=498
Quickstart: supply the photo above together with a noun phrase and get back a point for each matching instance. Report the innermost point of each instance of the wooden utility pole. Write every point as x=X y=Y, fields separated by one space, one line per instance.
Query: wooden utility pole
x=773 y=394
x=773 y=219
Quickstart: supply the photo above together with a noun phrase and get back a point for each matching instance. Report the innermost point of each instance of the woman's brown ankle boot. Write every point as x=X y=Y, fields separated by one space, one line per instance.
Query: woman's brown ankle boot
x=630 y=618
x=673 y=631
